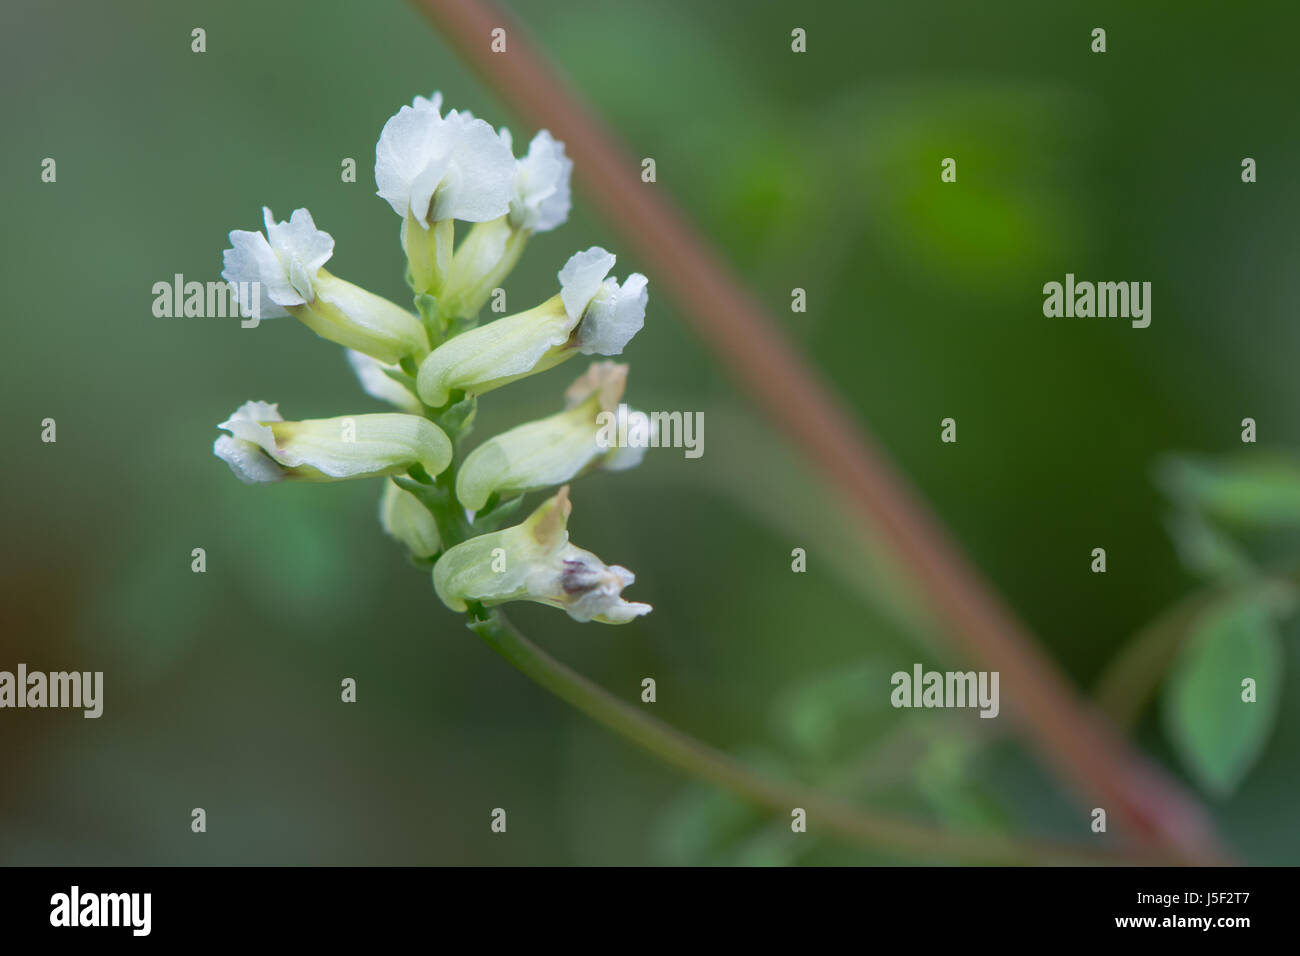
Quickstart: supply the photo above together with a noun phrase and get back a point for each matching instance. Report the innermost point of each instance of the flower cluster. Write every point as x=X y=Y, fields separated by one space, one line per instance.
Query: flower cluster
x=432 y=363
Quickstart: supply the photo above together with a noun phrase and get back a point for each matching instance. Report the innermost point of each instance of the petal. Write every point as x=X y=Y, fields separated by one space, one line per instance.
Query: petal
x=248 y=423
x=581 y=278
x=480 y=180
x=407 y=144
x=616 y=314
x=542 y=195
x=598 y=590
x=301 y=248
x=251 y=264
x=426 y=184
x=249 y=463
x=434 y=102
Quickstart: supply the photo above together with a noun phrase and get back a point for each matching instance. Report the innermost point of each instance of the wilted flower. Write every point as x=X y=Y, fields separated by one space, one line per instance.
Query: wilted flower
x=262 y=446
x=592 y=314
x=284 y=269
x=534 y=561
x=551 y=451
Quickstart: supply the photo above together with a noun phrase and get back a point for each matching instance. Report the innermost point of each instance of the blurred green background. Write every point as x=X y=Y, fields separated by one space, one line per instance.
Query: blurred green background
x=818 y=171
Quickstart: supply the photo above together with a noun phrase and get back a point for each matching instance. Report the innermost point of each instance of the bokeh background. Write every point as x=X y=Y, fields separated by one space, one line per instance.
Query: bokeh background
x=817 y=171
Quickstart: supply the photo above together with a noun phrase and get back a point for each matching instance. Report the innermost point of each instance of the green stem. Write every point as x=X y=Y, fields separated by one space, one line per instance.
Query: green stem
x=870 y=830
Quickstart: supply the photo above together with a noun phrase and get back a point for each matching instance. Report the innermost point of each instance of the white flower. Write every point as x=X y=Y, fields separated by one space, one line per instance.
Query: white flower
x=282 y=264
x=262 y=446
x=244 y=453
x=611 y=313
x=550 y=451
x=542 y=197
x=592 y=314
x=377 y=383
x=431 y=167
x=534 y=561
x=284 y=267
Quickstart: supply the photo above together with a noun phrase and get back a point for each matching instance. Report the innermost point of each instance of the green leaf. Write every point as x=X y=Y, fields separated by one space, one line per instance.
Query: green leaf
x=1206 y=551
x=1217 y=734
x=819 y=716
x=1261 y=490
x=945 y=782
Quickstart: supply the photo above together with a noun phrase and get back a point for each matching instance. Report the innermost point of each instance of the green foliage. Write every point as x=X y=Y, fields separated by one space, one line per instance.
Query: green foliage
x=1207 y=551
x=822 y=717
x=1260 y=490
x=1221 y=509
x=1218 y=734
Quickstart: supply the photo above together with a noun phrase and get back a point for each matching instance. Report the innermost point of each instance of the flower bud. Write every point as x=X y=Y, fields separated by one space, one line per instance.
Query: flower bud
x=404 y=518
x=284 y=270
x=551 y=451
x=262 y=446
x=592 y=314
x=534 y=561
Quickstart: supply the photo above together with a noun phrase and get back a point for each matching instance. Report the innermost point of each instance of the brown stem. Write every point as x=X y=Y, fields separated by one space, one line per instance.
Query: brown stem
x=1071 y=737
